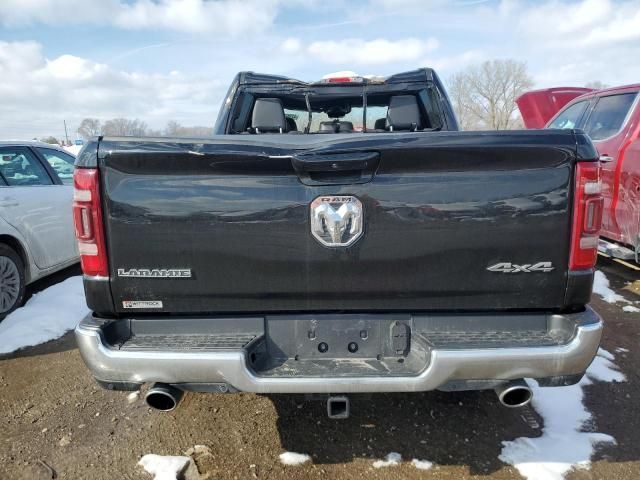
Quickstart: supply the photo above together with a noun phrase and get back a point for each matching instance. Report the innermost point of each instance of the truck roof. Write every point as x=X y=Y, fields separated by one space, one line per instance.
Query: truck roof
x=619 y=88
x=418 y=75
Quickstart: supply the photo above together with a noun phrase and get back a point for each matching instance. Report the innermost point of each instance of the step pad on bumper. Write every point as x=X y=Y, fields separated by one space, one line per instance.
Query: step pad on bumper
x=495 y=339
x=186 y=343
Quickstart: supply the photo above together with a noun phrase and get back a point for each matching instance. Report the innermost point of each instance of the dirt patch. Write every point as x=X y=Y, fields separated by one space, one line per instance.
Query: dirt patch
x=55 y=415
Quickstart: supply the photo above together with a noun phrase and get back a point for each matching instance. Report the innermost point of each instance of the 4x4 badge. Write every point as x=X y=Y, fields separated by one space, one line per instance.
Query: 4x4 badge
x=507 y=267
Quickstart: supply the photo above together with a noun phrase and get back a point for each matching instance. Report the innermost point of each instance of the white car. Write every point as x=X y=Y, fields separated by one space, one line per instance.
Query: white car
x=36 y=223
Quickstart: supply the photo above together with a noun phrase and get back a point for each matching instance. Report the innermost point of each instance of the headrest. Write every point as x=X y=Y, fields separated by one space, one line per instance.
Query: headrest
x=268 y=116
x=380 y=124
x=346 y=127
x=403 y=113
x=291 y=125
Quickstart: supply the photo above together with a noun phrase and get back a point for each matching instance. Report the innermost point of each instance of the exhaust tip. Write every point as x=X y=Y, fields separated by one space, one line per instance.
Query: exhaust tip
x=514 y=394
x=164 y=398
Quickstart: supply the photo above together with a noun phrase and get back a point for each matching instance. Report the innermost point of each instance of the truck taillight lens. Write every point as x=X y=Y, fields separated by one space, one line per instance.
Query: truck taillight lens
x=87 y=218
x=587 y=216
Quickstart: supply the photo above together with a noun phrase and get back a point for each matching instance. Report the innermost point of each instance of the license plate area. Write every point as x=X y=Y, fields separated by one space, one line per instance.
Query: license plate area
x=358 y=336
x=340 y=345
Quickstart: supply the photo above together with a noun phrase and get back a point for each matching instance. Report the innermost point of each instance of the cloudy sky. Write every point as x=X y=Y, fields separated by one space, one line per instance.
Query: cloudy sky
x=159 y=60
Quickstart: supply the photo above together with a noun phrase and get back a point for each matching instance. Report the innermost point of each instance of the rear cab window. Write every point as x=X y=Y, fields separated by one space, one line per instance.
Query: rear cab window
x=338 y=114
x=609 y=114
x=345 y=118
x=406 y=103
x=19 y=167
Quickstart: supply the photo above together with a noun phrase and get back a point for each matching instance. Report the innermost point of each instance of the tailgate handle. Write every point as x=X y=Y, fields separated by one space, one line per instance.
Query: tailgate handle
x=336 y=168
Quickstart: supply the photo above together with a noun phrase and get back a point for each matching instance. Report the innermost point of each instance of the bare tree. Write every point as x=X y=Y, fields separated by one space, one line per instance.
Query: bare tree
x=52 y=140
x=174 y=129
x=89 y=127
x=484 y=96
x=124 y=127
x=196 y=131
x=153 y=133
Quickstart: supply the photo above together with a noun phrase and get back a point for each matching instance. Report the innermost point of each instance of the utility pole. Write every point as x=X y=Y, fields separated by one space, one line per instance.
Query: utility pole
x=65 y=132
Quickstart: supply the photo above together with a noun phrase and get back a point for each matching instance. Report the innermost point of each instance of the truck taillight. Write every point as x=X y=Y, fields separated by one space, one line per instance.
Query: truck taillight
x=587 y=216
x=87 y=218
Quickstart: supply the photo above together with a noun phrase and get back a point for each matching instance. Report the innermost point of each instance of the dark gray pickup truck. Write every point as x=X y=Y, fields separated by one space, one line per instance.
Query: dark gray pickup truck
x=338 y=237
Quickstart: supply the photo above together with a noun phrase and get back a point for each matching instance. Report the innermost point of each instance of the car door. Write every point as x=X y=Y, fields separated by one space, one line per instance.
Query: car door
x=37 y=205
x=61 y=165
x=608 y=127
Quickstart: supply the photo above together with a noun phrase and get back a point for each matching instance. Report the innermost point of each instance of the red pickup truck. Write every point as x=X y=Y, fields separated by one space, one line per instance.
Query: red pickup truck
x=611 y=117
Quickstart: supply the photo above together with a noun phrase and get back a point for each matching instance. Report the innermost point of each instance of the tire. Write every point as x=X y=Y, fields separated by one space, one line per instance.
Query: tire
x=12 y=280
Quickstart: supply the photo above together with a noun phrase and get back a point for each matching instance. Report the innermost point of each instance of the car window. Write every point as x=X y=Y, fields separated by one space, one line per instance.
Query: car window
x=608 y=115
x=19 y=167
x=570 y=117
x=61 y=162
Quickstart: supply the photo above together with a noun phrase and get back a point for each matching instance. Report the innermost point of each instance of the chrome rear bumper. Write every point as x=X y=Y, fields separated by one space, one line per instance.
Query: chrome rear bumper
x=441 y=366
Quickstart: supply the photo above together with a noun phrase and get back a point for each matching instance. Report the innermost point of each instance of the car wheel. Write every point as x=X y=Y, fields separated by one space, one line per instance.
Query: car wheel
x=12 y=280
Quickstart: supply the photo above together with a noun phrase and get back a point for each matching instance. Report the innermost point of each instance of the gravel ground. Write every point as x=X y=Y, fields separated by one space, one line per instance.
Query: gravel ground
x=56 y=423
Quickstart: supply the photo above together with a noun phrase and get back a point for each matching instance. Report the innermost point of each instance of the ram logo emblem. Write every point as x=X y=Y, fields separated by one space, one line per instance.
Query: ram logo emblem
x=336 y=221
x=508 y=267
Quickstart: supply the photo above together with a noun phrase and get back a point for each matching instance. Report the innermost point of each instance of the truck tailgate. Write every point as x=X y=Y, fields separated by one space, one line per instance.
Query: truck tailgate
x=438 y=210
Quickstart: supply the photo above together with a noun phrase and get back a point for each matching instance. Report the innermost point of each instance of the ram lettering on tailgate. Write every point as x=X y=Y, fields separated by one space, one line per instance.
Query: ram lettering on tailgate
x=155 y=272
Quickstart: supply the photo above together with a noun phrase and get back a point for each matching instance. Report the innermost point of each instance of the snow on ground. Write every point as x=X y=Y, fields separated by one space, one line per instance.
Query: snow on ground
x=631 y=309
x=293 y=458
x=164 y=467
x=422 y=464
x=621 y=350
x=563 y=445
x=47 y=315
x=601 y=287
x=603 y=369
x=394 y=458
x=604 y=354
x=391 y=460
